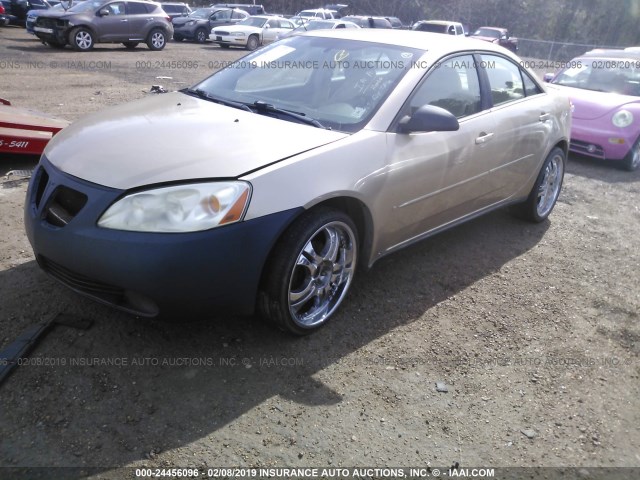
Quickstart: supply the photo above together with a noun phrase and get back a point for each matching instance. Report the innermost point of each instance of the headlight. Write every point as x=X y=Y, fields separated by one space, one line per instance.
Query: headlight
x=191 y=22
x=238 y=34
x=181 y=208
x=622 y=118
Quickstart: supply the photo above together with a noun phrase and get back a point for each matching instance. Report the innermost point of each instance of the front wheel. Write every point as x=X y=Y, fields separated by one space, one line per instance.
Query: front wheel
x=81 y=39
x=156 y=39
x=546 y=190
x=253 y=42
x=201 y=35
x=632 y=161
x=310 y=271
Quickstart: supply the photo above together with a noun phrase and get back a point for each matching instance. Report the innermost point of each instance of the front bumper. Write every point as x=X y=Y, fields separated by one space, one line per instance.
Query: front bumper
x=144 y=273
x=187 y=33
x=590 y=137
x=228 y=40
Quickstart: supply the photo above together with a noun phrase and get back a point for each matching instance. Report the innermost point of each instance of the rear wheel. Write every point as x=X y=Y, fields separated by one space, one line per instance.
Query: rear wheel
x=131 y=45
x=156 y=39
x=310 y=271
x=546 y=190
x=253 y=42
x=632 y=161
x=81 y=39
x=201 y=35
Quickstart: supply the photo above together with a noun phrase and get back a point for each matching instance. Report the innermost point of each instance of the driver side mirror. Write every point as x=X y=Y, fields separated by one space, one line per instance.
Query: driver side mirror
x=104 y=12
x=548 y=77
x=428 y=118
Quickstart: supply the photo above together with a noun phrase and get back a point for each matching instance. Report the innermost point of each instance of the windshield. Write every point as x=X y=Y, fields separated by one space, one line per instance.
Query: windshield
x=201 y=13
x=253 y=21
x=487 y=32
x=611 y=75
x=87 y=6
x=340 y=83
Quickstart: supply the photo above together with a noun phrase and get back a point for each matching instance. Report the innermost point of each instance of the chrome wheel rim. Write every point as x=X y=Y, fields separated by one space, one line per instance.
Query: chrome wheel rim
x=322 y=274
x=157 y=40
x=202 y=36
x=550 y=186
x=83 y=40
x=635 y=156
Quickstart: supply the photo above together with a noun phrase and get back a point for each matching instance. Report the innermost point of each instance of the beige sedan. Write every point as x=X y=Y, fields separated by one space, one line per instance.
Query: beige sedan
x=307 y=160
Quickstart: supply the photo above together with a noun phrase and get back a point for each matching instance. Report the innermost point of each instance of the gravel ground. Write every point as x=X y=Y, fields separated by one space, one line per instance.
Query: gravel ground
x=532 y=330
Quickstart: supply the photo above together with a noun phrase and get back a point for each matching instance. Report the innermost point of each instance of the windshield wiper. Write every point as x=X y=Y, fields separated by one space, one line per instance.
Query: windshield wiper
x=261 y=106
x=198 y=92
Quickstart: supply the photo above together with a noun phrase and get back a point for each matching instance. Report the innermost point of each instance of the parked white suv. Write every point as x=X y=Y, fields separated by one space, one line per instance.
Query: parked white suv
x=316 y=13
x=439 y=26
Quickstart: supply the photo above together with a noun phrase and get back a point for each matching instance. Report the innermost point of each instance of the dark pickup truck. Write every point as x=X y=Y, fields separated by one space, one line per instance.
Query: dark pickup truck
x=497 y=35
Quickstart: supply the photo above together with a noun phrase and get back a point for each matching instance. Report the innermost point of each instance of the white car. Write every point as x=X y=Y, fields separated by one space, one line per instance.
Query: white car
x=316 y=14
x=439 y=26
x=319 y=25
x=252 y=32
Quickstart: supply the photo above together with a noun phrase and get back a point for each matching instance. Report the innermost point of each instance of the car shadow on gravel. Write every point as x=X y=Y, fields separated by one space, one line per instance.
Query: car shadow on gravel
x=606 y=171
x=128 y=389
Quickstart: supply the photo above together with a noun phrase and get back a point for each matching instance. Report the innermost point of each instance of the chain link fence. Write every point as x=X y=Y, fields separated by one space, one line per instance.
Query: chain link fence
x=556 y=51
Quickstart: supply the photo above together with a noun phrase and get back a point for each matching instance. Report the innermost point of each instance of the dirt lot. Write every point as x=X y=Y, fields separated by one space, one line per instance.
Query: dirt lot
x=533 y=328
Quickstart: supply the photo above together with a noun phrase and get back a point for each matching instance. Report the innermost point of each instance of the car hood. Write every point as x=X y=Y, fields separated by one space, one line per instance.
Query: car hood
x=183 y=20
x=590 y=104
x=238 y=28
x=486 y=39
x=173 y=137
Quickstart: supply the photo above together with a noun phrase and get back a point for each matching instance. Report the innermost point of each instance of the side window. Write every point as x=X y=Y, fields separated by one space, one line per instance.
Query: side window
x=452 y=85
x=273 y=24
x=116 y=8
x=459 y=30
x=136 y=8
x=530 y=87
x=285 y=24
x=237 y=15
x=505 y=79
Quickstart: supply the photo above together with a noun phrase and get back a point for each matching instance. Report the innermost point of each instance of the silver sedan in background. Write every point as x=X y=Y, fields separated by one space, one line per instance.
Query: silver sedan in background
x=307 y=160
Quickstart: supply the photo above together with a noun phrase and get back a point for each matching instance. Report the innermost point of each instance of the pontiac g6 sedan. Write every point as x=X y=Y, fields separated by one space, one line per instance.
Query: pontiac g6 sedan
x=347 y=148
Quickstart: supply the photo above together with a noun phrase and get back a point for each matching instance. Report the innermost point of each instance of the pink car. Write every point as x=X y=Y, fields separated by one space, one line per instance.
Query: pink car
x=604 y=87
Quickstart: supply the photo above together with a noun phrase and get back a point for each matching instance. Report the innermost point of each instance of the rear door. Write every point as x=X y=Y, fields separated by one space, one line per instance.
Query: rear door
x=523 y=122
x=140 y=20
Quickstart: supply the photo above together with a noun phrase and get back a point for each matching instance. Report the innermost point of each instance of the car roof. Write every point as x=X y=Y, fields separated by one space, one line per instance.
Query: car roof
x=412 y=39
x=439 y=22
x=612 y=53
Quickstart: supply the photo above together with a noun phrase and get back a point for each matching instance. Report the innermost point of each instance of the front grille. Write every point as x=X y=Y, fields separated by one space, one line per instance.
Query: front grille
x=221 y=33
x=65 y=204
x=579 y=146
x=46 y=22
x=81 y=283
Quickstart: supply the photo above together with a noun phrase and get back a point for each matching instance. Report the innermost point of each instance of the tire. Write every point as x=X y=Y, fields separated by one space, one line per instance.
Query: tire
x=178 y=38
x=253 y=42
x=131 y=45
x=632 y=161
x=546 y=190
x=310 y=271
x=81 y=39
x=156 y=40
x=200 y=35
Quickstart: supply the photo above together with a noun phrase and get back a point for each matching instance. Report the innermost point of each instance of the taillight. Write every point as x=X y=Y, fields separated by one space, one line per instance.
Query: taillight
x=1 y=8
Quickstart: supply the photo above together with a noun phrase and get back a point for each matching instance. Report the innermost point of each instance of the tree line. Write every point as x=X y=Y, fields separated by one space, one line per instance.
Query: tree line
x=592 y=22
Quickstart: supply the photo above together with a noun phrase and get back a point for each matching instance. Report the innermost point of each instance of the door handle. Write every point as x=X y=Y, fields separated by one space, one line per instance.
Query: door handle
x=544 y=117
x=483 y=138
x=124 y=20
